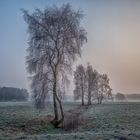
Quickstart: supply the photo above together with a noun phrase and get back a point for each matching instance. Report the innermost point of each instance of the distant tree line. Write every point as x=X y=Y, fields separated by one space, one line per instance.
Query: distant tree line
x=90 y=85
x=127 y=97
x=13 y=94
x=132 y=96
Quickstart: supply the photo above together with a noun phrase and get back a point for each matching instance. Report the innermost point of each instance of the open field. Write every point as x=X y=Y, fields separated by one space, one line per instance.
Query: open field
x=107 y=121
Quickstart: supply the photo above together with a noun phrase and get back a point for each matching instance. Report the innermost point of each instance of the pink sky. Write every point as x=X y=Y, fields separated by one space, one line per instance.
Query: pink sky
x=113 y=46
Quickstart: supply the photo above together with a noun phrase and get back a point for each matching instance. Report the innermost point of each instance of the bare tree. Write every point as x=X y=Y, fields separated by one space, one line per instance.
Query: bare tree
x=103 y=87
x=80 y=83
x=95 y=85
x=90 y=82
x=55 y=41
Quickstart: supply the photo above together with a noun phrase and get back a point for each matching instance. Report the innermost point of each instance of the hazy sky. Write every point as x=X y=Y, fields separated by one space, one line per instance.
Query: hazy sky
x=113 y=46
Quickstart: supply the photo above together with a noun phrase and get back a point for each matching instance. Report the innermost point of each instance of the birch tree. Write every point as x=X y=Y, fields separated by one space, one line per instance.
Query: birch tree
x=103 y=88
x=80 y=83
x=90 y=80
x=95 y=85
x=55 y=41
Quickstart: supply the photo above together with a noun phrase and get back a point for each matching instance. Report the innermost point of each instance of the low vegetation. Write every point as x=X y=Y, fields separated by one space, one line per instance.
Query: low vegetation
x=21 y=121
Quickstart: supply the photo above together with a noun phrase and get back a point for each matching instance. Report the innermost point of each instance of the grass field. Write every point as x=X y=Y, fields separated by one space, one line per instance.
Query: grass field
x=116 y=121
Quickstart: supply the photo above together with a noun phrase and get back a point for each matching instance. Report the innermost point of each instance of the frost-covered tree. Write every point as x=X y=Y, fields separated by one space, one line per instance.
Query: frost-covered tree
x=55 y=40
x=80 y=83
x=90 y=82
x=95 y=85
x=103 y=87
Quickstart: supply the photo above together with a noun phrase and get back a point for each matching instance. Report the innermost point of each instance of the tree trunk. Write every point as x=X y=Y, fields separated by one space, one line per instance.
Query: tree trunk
x=89 y=98
x=54 y=102
x=55 y=108
x=61 y=111
x=57 y=120
x=82 y=97
x=101 y=99
x=98 y=100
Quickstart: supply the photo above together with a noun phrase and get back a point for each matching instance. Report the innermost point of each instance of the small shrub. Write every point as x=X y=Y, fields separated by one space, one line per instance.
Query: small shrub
x=72 y=121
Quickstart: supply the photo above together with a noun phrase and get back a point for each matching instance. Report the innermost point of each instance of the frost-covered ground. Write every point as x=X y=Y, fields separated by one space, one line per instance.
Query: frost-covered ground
x=119 y=121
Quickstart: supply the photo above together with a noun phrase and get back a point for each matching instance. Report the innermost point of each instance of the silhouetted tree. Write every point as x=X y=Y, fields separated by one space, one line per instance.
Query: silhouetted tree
x=80 y=83
x=120 y=97
x=55 y=41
